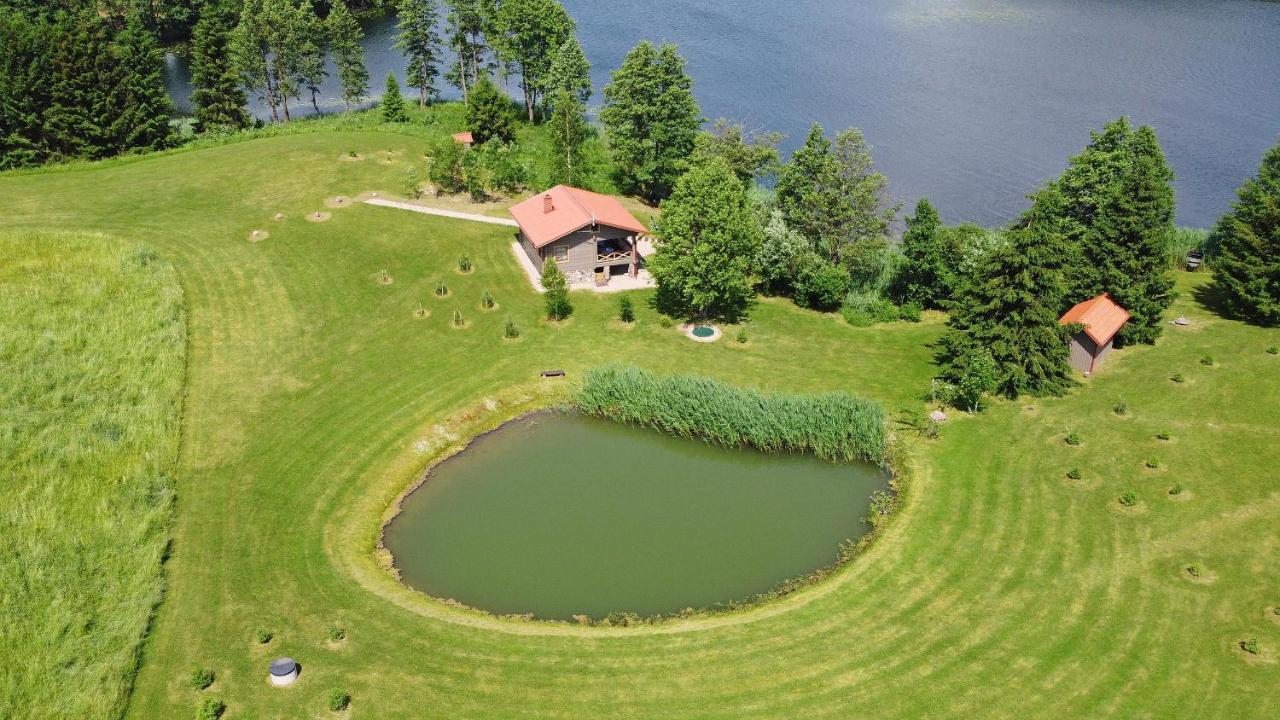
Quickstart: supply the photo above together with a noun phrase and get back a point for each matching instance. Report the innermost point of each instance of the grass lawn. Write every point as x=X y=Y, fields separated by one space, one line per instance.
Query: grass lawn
x=314 y=395
x=92 y=348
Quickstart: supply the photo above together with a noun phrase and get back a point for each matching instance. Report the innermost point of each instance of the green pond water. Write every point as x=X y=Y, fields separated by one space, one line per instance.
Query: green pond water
x=558 y=515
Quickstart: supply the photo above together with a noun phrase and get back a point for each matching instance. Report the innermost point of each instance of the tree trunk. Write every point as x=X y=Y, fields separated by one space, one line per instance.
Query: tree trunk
x=422 y=97
x=314 y=104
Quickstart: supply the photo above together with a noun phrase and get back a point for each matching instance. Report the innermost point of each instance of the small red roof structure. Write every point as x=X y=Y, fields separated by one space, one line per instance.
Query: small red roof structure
x=563 y=210
x=463 y=138
x=1101 y=316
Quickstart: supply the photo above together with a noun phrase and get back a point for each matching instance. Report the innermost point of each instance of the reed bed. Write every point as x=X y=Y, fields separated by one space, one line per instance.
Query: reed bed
x=834 y=426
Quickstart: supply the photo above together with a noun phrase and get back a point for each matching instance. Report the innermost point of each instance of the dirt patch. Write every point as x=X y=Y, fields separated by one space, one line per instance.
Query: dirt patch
x=367 y=195
x=278 y=217
x=318 y=216
x=1197 y=575
x=1183 y=496
x=1264 y=656
x=338 y=201
x=1136 y=509
x=382 y=277
x=348 y=157
x=421 y=313
x=258 y=235
x=1273 y=613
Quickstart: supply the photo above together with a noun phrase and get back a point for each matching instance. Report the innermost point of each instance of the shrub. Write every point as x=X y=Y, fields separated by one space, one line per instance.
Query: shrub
x=866 y=310
x=458 y=320
x=338 y=699
x=201 y=678
x=1175 y=490
x=1178 y=378
x=441 y=289
x=820 y=285
x=1073 y=439
x=833 y=426
x=353 y=154
x=210 y=709
x=742 y=335
x=1274 y=349
x=464 y=264
x=1194 y=570
x=510 y=330
x=1250 y=646
x=1163 y=435
x=1152 y=463
x=556 y=297
x=411 y=189
x=1074 y=473
x=626 y=313
x=1206 y=360
x=1120 y=408
x=445 y=167
x=665 y=322
x=1129 y=499
x=263 y=636
x=335 y=634
x=910 y=311
x=486 y=300
x=883 y=504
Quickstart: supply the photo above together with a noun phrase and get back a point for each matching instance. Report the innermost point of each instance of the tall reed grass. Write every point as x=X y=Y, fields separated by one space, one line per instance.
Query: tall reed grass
x=1186 y=239
x=92 y=353
x=834 y=426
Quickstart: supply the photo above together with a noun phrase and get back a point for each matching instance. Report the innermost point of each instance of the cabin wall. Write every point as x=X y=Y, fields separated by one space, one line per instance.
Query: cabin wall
x=581 y=250
x=1082 y=352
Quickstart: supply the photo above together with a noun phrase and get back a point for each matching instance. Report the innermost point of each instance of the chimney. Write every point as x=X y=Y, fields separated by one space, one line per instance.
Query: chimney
x=547 y=204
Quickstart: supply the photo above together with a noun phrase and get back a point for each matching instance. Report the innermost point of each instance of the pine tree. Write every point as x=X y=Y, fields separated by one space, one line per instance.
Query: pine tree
x=392 y=102
x=923 y=276
x=86 y=77
x=420 y=42
x=142 y=122
x=489 y=116
x=556 y=298
x=25 y=80
x=1247 y=265
x=570 y=72
x=709 y=237
x=569 y=131
x=1011 y=310
x=218 y=99
x=345 y=38
x=651 y=119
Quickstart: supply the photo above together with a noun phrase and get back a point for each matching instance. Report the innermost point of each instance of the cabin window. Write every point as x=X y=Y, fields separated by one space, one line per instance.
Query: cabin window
x=561 y=253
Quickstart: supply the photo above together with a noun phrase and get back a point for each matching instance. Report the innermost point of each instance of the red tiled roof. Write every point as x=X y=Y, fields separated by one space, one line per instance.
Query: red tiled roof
x=1101 y=316
x=463 y=137
x=562 y=210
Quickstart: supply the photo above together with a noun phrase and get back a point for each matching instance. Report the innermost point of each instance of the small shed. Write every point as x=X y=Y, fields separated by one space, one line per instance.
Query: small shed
x=464 y=139
x=1102 y=318
x=284 y=671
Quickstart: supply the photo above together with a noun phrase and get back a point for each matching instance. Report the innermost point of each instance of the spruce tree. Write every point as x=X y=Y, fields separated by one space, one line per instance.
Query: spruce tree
x=489 y=115
x=1246 y=268
x=86 y=78
x=923 y=277
x=555 y=299
x=142 y=122
x=569 y=130
x=393 y=102
x=216 y=94
x=25 y=80
x=570 y=73
x=1011 y=310
x=651 y=119
x=420 y=42
x=345 y=38
x=709 y=238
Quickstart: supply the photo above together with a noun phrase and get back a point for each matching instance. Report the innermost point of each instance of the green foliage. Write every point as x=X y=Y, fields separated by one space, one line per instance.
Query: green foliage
x=464 y=264
x=709 y=236
x=1152 y=463
x=1178 y=378
x=1012 y=309
x=201 y=678
x=569 y=132
x=393 y=102
x=1185 y=239
x=486 y=300
x=742 y=336
x=339 y=699
x=1120 y=408
x=489 y=115
x=262 y=637
x=1247 y=268
x=1207 y=360
x=510 y=330
x=83 y=101
x=1273 y=350
x=346 y=42
x=1250 y=646
x=1074 y=473
x=442 y=290
x=335 y=634
x=210 y=709
x=500 y=166
x=924 y=275
x=465 y=34
x=216 y=93
x=626 y=313
x=444 y=169
x=910 y=311
x=1163 y=436
x=420 y=43
x=411 y=185
x=1194 y=571
x=782 y=252
x=570 y=73
x=458 y=319
x=651 y=119
x=834 y=426
x=528 y=33
x=276 y=48
x=92 y=355
x=142 y=121
x=25 y=83
x=555 y=299
x=750 y=155
x=1128 y=499
x=819 y=285
x=865 y=310
x=976 y=379
x=1073 y=438
x=1176 y=489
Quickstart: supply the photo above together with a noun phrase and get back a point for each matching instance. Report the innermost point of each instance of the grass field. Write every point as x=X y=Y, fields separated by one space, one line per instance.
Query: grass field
x=92 y=348
x=314 y=396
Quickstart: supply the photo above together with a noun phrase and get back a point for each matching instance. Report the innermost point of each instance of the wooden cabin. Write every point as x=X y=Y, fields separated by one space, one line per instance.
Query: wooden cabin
x=586 y=233
x=1101 y=318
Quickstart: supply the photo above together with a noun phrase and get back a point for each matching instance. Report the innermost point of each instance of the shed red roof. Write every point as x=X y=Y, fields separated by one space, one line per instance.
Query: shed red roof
x=463 y=138
x=1101 y=316
x=563 y=210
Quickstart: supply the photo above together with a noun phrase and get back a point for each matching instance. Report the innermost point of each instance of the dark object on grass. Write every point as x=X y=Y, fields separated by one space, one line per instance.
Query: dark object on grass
x=1194 y=259
x=1073 y=439
x=552 y=373
x=1178 y=378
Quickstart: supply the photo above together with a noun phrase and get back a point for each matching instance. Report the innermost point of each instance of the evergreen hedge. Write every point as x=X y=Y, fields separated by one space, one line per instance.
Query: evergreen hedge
x=834 y=426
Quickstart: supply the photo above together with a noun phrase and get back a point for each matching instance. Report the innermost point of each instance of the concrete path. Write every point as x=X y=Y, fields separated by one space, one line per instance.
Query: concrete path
x=380 y=202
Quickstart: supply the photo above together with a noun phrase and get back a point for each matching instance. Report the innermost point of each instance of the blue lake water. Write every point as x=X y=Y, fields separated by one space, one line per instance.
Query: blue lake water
x=971 y=103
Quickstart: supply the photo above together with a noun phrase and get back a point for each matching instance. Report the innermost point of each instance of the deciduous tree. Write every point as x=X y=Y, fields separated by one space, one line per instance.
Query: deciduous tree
x=570 y=73
x=751 y=155
x=529 y=33
x=569 y=131
x=556 y=298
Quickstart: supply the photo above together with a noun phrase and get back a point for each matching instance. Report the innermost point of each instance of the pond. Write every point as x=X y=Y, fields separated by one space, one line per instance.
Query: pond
x=559 y=515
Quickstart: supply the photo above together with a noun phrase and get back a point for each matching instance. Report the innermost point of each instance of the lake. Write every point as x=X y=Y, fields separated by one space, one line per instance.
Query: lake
x=558 y=515
x=971 y=103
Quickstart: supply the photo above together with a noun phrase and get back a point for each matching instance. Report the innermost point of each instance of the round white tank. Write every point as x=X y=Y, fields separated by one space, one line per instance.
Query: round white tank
x=283 y=671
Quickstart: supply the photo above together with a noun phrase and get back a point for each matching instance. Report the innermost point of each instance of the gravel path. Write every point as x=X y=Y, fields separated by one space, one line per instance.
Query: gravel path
x=442 y=213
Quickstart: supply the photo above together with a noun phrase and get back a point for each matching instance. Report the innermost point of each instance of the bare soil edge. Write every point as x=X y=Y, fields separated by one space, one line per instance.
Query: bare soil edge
x=354 y=539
